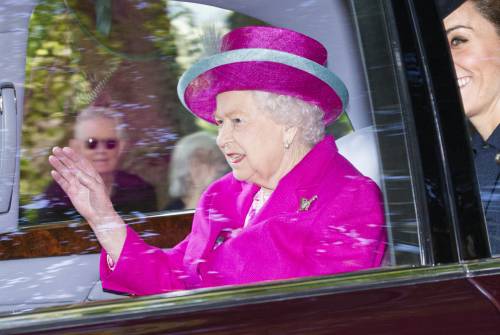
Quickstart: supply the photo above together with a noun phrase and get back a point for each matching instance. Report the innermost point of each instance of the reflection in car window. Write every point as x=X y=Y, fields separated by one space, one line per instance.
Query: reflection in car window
x=99 y=135
x=131 y=67
x=129 y=60
x=196 y=163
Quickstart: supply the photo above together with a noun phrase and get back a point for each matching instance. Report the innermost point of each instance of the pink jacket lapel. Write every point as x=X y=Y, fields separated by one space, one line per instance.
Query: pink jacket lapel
x=300 y=183
x=230 y=214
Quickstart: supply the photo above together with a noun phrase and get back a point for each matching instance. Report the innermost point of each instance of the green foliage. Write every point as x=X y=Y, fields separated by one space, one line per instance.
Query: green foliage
x=237 y=20
x=341 y=127
x=52 y=82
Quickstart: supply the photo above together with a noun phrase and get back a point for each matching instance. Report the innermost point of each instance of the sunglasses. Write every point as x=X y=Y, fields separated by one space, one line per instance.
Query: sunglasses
x=92 y=143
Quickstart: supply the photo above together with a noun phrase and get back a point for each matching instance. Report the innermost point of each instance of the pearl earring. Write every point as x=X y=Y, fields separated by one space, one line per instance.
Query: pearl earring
x=287 y=145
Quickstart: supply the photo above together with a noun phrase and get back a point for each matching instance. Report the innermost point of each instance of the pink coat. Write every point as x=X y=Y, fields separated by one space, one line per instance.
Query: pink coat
x=342 y=230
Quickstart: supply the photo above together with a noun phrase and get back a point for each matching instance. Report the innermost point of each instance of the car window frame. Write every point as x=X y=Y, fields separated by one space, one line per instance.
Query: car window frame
x=409 y=17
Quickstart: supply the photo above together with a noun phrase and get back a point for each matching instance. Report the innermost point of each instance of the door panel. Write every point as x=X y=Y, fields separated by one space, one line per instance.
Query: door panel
x=446 y=307
x=26 y=283
x=37 y=270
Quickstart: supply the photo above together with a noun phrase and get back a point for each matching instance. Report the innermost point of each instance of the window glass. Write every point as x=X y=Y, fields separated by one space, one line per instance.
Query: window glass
x=122 y=63
x=119 y=64
x=392 y=134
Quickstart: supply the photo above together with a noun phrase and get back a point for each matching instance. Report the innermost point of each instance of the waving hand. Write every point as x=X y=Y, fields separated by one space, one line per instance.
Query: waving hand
x=86 y=190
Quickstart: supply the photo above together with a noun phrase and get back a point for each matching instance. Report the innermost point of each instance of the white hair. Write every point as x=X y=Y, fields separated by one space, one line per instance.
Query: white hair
x=96 y=112
x=294 y=112
x=197 y=148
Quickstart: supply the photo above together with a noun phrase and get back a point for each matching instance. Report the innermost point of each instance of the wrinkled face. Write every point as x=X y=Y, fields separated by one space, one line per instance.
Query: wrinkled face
x=475 y=47
x=251 y=141
x=94 y=139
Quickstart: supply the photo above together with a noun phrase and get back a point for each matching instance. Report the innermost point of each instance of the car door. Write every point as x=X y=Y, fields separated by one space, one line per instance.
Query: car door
x=404 y=128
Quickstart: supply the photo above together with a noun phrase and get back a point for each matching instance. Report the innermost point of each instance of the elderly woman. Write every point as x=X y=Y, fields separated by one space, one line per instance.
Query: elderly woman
x=196 y=163
x=292 y=206
x=473 y=30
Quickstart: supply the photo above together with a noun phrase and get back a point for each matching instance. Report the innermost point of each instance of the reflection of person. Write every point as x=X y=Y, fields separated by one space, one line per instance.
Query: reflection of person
x=99 y=136
x=473 y=29
x=196 y=162
x=292 y=206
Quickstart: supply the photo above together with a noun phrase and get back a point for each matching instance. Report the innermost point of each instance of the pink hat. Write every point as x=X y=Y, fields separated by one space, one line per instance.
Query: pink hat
x=270 y=59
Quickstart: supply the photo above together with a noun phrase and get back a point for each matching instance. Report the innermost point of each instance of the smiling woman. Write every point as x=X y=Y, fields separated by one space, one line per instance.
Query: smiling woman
x=292 y=207
x=475 y=46
x=259 y=149
x=473 y=31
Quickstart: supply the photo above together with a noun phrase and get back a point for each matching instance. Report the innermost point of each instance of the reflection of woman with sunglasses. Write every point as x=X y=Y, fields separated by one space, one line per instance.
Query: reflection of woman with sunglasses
x=99 y=136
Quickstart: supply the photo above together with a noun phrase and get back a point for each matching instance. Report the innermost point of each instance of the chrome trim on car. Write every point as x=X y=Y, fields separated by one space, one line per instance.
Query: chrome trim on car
x=207 y=299
x=482 y=267
x=127 y=218
x=160 y=214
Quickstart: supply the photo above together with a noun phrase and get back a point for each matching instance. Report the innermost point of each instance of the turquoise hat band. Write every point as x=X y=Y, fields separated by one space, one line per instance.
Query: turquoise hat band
x=262 y=55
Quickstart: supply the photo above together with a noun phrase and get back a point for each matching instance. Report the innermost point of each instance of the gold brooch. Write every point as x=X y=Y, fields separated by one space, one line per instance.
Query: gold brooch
x=306 y=203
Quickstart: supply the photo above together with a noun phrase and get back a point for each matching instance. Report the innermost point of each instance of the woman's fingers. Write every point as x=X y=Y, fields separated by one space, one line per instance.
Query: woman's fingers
x=69 y=165
x=62 y=169
x=82 y=183
x=75 y=169
x=88 y=181
x=62 y=156
x=68 y=179
x=81 y=163
x=60 y=180
x=75 y=158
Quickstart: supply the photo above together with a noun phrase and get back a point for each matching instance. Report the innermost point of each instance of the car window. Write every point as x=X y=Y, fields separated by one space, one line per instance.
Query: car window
x=126 y=66
x=123 y=63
